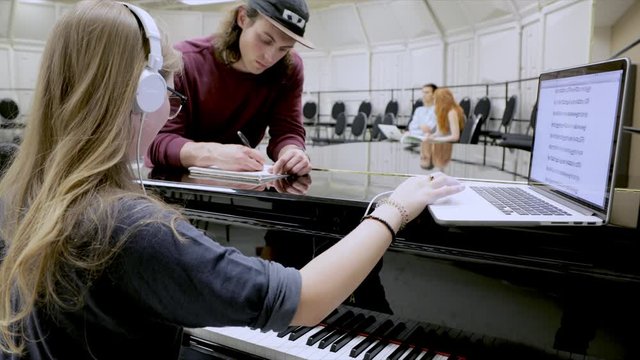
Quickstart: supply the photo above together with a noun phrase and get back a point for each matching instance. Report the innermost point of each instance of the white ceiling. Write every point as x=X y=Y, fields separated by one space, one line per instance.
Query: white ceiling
x=344 y=23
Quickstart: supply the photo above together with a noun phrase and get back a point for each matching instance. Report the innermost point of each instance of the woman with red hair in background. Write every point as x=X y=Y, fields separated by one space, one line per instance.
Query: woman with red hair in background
x=436 y=147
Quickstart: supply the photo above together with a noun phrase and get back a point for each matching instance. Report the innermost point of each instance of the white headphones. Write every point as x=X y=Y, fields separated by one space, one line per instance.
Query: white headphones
x=152 y=88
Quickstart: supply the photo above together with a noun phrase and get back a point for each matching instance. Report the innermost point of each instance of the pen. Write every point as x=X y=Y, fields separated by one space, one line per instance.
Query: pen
x=244 y=139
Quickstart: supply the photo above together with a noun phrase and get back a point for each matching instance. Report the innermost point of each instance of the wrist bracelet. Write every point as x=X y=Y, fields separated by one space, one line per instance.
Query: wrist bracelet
x=383 y=222
x=401 y=209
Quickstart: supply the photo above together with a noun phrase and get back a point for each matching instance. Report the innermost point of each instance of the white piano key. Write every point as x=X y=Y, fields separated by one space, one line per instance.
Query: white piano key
x=384 y=353
x=268 y=345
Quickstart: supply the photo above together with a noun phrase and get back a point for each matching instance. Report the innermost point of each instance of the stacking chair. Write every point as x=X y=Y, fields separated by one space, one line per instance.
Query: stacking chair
x=337 y=109
x=365 y=107
x=341 y=125
x=7 y=151
x=470 y=126
x=9 y=111
x=358 y=125
x=392 y=107
x=416 y=104
x=507 y=117
x=388 y=119
x=465 y=104
x=310 y=113
x=310 y=118
x=519 y=141
x=482 y=111
x=375 y=130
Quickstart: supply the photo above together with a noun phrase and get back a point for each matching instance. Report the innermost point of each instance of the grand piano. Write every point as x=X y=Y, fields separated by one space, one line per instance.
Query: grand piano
x=439 y=292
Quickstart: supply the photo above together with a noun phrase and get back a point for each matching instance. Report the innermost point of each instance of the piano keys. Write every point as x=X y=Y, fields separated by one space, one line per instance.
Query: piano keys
x=354 y=333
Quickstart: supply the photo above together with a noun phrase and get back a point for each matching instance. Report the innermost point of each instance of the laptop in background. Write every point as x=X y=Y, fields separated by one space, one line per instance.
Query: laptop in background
x=391 y=132
x=578 y=147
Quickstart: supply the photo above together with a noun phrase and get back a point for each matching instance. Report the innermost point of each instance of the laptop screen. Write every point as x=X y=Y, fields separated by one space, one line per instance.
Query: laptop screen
x=576 y=128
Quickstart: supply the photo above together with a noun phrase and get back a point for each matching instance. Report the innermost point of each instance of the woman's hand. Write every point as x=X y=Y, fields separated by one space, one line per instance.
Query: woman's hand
x=417 y=192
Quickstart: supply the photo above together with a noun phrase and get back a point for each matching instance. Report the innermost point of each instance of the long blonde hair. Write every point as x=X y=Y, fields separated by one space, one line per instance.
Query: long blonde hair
x=444 y=103
x=59 y=198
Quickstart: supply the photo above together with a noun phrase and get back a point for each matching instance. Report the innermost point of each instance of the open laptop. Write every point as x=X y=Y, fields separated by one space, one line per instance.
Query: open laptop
x=578 y=148
x=391 y=132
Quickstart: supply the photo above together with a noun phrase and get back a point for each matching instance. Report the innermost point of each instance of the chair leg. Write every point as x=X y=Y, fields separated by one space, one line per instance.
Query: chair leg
x=484 y=152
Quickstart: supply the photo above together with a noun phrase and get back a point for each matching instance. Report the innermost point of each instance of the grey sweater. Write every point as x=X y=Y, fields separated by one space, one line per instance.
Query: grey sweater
x=156 y=285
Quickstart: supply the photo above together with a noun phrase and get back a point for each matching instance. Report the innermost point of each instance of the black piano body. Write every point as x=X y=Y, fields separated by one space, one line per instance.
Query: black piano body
x=484 y=292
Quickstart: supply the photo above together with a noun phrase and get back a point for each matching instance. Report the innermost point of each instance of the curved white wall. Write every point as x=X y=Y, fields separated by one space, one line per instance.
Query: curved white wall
x=355 y=55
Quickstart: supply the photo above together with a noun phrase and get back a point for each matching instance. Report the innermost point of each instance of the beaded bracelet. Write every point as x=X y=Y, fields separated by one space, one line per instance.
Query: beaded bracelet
x=401 y=209
x=383 y=222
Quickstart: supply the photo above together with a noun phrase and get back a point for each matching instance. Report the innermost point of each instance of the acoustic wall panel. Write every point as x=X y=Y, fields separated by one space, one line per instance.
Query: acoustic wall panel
x=566 y=41
x=5 y=13
x=460 y=62
x=5 y=70
x=212 y=21
x=27 y=63
x=33 y=21
x=497 y=55
x=350 y=71
x=180 y=25
x=313 y=70
x=427 y=65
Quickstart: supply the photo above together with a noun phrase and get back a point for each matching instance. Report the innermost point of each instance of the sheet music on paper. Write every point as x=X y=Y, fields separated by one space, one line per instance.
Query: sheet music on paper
x=250 y=176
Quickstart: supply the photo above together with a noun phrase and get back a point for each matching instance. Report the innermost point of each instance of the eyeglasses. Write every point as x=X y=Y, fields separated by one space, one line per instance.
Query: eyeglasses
x=176 y=102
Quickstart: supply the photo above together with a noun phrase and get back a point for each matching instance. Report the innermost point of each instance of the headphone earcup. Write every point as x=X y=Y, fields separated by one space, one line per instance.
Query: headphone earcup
x=151 y=92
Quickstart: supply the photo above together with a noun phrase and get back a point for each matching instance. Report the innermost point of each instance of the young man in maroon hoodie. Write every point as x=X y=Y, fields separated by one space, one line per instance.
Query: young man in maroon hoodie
x=247 y=78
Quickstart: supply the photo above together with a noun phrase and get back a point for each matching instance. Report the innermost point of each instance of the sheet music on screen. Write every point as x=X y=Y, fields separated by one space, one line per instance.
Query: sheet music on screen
x=574 y=134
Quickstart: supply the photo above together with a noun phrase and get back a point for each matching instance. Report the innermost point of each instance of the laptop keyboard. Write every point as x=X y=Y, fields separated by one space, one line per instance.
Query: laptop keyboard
x=512 y=200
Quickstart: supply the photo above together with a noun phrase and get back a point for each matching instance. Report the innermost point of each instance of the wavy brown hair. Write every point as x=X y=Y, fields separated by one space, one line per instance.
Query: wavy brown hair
x=61 y=194
x=444 y=103
x=227 y=43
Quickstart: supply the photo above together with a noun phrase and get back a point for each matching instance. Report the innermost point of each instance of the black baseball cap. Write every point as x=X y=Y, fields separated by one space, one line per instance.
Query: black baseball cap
x=290 y=16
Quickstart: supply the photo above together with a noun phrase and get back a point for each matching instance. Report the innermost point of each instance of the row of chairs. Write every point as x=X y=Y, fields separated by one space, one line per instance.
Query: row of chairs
x=362 y=121
x=474 y=130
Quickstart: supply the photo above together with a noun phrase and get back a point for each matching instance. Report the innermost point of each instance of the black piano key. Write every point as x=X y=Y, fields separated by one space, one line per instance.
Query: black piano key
x=411 y=340
x=344 y=339
x=430 y=355
x=296 y=334
x=349 y=325
x=301 y=330
x=287 y=331
x=377 y=333
x=424 y=343
x=330 y=327
x=413 y=354
x=382 y=343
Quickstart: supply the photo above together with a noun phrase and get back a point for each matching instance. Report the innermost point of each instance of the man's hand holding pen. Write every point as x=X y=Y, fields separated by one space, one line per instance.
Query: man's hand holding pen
x=232 y=157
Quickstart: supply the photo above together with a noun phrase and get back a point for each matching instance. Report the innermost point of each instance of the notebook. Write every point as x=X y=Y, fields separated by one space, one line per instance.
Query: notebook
x=246 y=176
x=576 y=153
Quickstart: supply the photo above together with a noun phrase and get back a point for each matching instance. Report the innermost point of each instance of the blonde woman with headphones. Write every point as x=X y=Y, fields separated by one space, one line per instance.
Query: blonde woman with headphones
x=93 y=268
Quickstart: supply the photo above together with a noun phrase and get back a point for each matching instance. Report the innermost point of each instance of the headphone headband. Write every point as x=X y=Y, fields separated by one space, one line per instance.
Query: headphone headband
x=152 y=88
x=154 y=62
